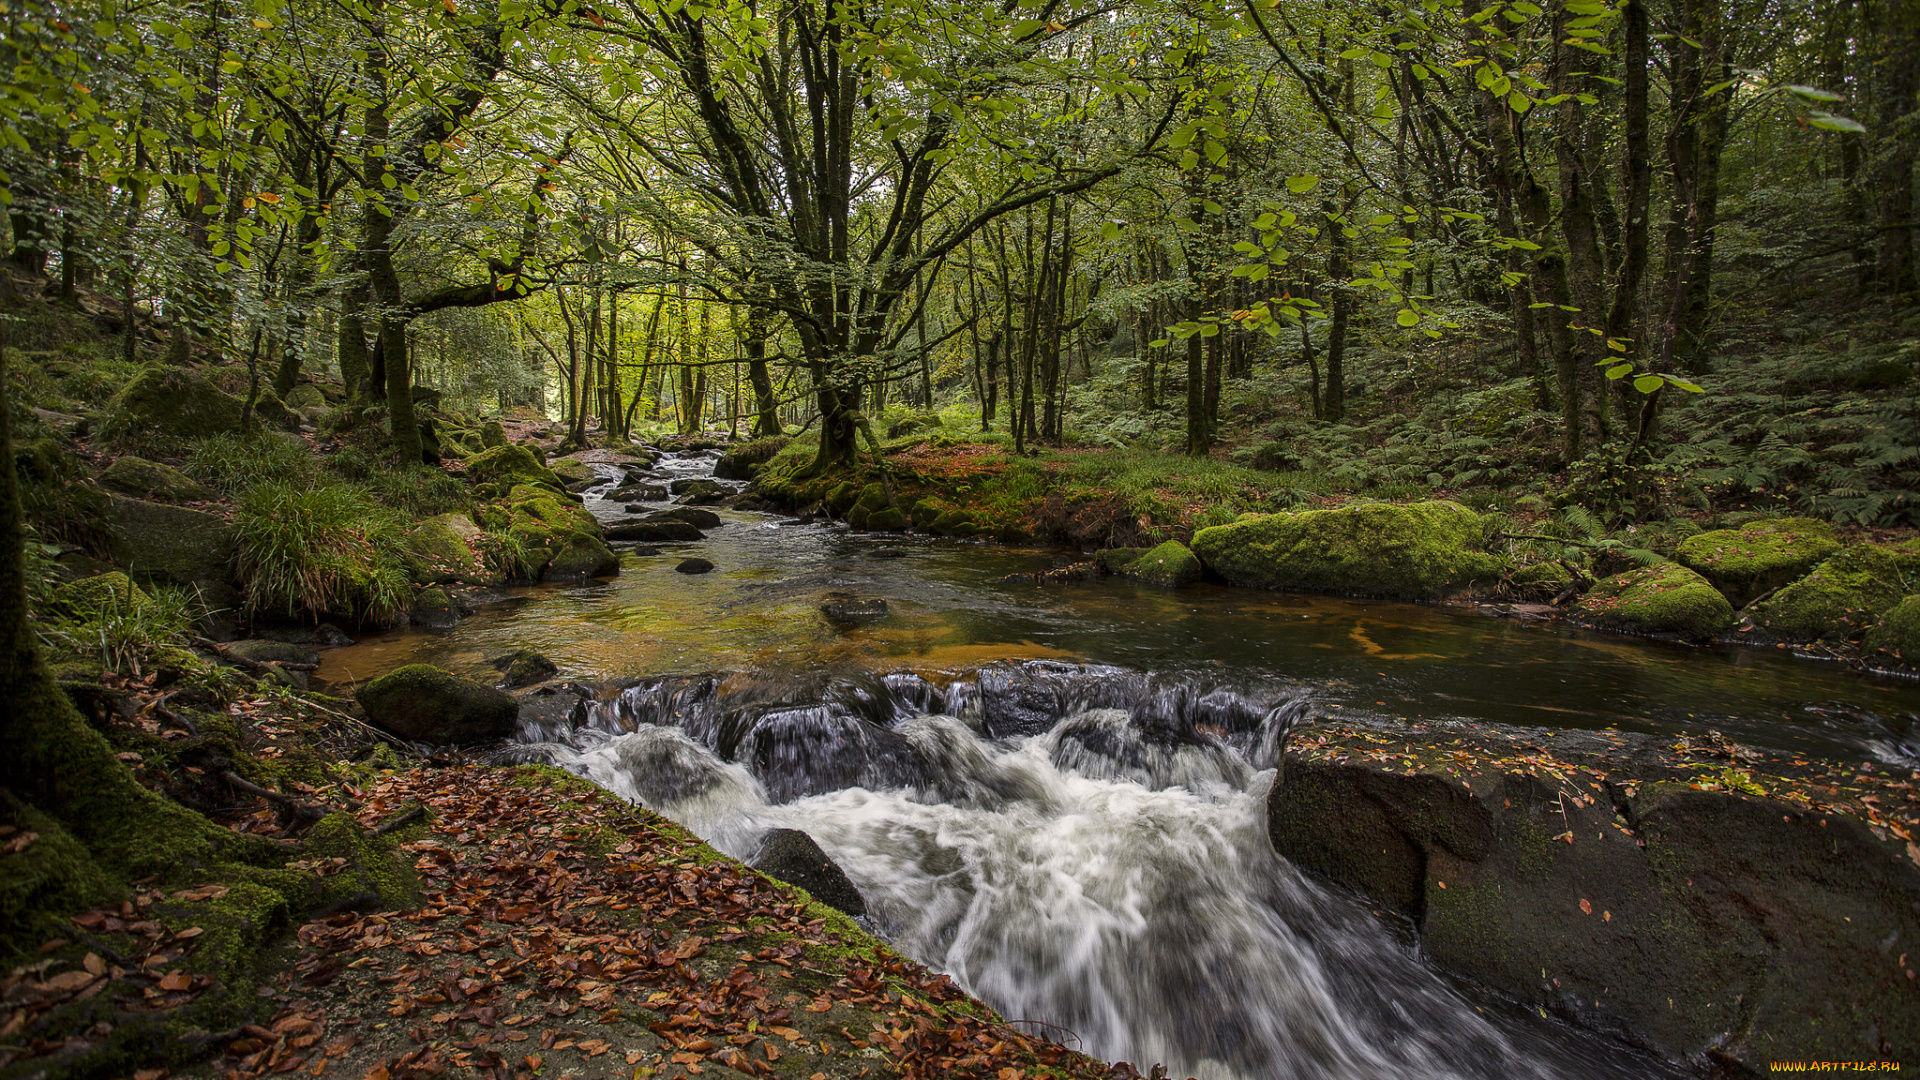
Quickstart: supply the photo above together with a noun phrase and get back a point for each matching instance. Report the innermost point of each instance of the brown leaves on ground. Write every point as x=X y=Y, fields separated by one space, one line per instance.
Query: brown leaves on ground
x=565 y=933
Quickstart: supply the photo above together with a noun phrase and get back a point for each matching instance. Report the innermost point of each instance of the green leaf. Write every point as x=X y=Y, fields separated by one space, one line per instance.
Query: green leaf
x=1830 y=122
x=1618 y=371
x=1264 y=221
x=1158 y=343
x=1647 y=384
x=1026 y=27
x=1689 y=387
x=1303 y=183
x=1813 y=93
x=1216 y=153
x=1407 y=317
x=1519 y=102
x=1208 y=330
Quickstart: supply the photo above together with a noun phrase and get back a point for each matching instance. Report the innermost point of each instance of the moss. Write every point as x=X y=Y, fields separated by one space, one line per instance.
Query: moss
x=424 y=703
x=439 y=551
x=1540 y=581
x=138 y=477
x=580 y=555
x=572 y=472
x=887 y=520
x=1843 y=595
x=172 y=544
x=1664 y=599
x=167 y=406
x=509 y=465
x=1897 y=634
x=492 y=435
x=48 y=879
x=1418 y=550
x=1758 y=557
x=1170 y=564
x=91 y=597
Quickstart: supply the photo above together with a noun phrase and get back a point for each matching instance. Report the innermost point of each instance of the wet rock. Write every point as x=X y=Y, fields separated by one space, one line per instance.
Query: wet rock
x=655 y=532
x=1897 y=635
x=1663 y=599
x=1631 y=891
x=640 y=493
x=693 y=566
x=887 y=553
x=170 y=544
x=1843 y=596
x=143 y=479
x=1169 y=565
x=855 y=612
x=425 y=704
x=269 y=651
x=434 y=609
x=524 y=667
x=324 y=636
x=1419 y=550
x=792 y=856
x=698 y=490
x=554 y=709
x=1758 y=557
x=691 y=515
x=581 y=556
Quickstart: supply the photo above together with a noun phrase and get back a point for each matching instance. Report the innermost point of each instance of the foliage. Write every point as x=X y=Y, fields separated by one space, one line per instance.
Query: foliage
x=232 y=462
x=308 y=550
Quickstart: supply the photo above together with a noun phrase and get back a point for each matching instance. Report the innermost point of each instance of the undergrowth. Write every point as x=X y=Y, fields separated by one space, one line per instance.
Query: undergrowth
x=327 y=547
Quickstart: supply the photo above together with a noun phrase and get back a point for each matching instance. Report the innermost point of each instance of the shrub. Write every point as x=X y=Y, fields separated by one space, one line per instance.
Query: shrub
x=234 y=462
x=308 y=549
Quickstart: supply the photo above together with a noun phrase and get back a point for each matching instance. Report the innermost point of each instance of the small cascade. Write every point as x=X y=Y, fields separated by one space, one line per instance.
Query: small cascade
x=1081 y=846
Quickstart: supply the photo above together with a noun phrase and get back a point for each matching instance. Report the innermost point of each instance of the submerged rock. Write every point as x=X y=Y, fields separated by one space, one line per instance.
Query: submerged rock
x=691 y=515
x=1170 y=564
x=425 y=704
x=1604 y=878
x=693 y=566
x=1843 y=596
x=655 y=532
x=143 y=479
x=792 y=856
x=855 y=612
x=524 y=667
x=1419 y=550
x=1666 y=598
x=1758 y=557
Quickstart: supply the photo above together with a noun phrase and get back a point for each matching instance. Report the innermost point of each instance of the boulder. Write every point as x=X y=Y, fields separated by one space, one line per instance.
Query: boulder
x=697 y=490
x=855 y=612
x=1666 y=598
x=306 y=396
x=655 y=532
x=273 y=652
x=741 y=461
x=143 y=479
x=524 y=667
x=640 y=493
x=510 y=465
x=492 y=435
x=580 y=556
x=792 y=856
x=1843 y=596
x=1170 y=564
x=92 y=597
x=440 y=551
x=1758 y=557
x=692 y=515
x=171 y=405
x=1897 y=635
x=323 y=636
x=693 y=566
x=170 y=544
x=915 y=424
x=577 y=475
x=1421 y=550
x=425 y=704
x=1666 y=899
x=433 y=608
x=888 y=519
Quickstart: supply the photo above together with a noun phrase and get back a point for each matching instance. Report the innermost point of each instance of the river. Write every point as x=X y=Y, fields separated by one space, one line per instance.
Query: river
x=1056 y=793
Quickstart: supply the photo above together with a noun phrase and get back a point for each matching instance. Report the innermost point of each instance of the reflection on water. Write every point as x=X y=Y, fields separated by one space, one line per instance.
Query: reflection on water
x=949 y=610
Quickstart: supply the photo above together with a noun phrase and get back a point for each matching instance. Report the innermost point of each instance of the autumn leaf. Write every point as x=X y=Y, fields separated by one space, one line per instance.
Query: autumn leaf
x=1586 y=908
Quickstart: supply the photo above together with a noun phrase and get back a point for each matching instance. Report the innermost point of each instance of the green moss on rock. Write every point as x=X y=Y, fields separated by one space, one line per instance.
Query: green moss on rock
x=1758 y=557
x=579 y=555
x=423 y=703
x=440 y=551
x=509 y=465
x=50 y=877
x=169 y=405
x=492 y=435
x=1418 y=550
x=143 y=479
x=89 y=598
x=1897 y=634
x=1170 y=564
x=1843 y=596
x=171 y=544
x=1663 y=599
x=887 y=519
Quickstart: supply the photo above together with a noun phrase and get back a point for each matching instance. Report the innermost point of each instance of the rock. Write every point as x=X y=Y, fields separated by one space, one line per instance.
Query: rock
x=792 y=856
x=579 y=557
x=492 y=435
x=143 y=479
x=642 y=551
x=886 y=553
x=434 y=609
x=1170 y=564
x=698 y=489
x=170 y=544
x=323 y=636
x=1115 y=560
x=1666 y=598
x=954 y=523
x=305 y=396
x=1758 y=557
x=554 y=709
x=640 y=493
x=1420 y=550
x=273 y=652
x=1688 y=912
x=1843 y=595
x=510 y=465
x=575 y=474
x=1540 y=581
x=741 y=461
x=440 y=552
x=889 y=519
x=855 y=612
x=171 y=404
x=1897 y=634
x=655 y=532
x=64 y=425
x=425 y=704
x=915 y=424
x=524 y=667
x=693 y=566
x=692 y=515
x=91 y=597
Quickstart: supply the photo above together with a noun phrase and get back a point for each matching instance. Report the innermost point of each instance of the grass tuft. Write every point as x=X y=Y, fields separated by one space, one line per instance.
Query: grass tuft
x=321 y=548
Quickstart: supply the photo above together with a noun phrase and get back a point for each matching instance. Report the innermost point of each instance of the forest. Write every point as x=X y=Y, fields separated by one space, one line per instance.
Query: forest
x=828 y=538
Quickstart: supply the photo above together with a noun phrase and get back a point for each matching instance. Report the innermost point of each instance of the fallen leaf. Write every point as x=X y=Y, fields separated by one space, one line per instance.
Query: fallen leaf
x=1586 y=908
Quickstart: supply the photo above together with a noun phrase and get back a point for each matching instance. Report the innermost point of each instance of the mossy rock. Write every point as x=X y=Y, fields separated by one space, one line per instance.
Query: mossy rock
x=1663 y=599
x=579 y=556
x=1169 y=565
x=1115 y=560
x=742 y=461
x=1540 y=581
x=425 y=704
x=92 y=597
x=915 y=424
x=440 y=552
x=1418 y=550
x=573 y=473
x=954 y=523
x=842 y=497
x=872 y=497
x=1843 y=596
x=1897 y=634
x=492 y=435
x=306 y=396
x=261 y=651
x=171 y=405
x=510 y=465
x=143 y=479
x=1758 y=557
x=887 y=519
x=51 y=876
x=170 y=544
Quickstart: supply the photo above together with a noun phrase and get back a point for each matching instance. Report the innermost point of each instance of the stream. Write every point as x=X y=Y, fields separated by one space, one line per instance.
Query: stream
x=1056 y=794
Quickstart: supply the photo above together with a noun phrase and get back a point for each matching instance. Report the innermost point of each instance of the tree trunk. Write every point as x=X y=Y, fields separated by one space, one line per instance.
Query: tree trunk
x=377 y=251
x=1897 y=142
x=766 y=406
x=1586 y=271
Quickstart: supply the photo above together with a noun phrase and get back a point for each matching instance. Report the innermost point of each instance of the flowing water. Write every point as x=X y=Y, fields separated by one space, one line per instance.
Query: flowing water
x=1056 y=793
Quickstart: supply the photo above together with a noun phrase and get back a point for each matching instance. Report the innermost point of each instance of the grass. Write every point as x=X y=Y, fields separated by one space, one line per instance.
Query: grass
x=233 y=463
x=320 y=548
